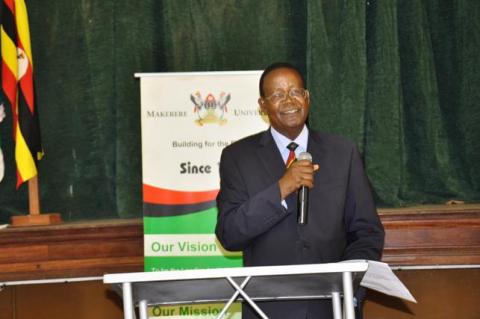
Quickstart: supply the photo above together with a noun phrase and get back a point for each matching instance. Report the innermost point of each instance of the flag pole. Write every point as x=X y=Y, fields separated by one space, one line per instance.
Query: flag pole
x=33 y=198
x=17 y=80
x=35 y=218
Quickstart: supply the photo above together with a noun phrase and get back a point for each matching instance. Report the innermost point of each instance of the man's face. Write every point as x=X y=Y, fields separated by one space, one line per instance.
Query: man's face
x=286 y=103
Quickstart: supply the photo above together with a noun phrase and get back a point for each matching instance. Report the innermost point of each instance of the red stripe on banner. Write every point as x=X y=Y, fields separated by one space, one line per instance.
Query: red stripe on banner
x=155 y=195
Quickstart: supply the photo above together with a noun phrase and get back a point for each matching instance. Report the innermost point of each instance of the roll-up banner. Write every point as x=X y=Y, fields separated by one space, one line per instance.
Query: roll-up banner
x=187 y=119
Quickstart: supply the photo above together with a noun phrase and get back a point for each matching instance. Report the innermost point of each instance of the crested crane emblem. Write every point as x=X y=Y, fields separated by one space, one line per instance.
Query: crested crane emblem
x=210 y=110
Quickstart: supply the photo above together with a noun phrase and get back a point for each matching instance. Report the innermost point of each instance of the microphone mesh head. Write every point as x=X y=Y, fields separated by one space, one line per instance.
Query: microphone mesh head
x=305 y=156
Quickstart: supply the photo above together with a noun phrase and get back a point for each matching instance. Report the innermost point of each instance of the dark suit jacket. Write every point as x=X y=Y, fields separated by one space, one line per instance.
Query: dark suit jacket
x=342 y=222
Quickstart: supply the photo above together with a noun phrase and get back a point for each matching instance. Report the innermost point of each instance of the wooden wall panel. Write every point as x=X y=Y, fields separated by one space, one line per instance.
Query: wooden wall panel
x=7 y=303
x=71 y=250
x=441 y=294
x=425 y=235
x=79 y=300
x=432 y=235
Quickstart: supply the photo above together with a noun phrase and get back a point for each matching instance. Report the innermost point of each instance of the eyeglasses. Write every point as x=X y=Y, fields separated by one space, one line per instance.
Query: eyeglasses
x=294 y=93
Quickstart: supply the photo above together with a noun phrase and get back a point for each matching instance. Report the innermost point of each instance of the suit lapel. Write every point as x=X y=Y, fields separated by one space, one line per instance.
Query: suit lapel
x=270 y=157
x=315 y=147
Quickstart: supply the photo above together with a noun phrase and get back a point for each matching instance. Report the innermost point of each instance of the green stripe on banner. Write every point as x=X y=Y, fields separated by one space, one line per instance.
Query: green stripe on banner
x=179 y=263
x=201 y=222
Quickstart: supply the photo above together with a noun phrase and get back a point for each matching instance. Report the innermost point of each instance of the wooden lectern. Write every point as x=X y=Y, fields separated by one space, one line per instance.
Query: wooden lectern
x=250 y=284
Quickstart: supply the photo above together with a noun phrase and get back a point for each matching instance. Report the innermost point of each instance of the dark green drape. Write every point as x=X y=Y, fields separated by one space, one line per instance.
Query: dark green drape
x=400 y=78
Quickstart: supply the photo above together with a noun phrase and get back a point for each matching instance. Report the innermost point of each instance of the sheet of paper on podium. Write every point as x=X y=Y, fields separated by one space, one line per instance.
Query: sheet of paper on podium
x=381 y=278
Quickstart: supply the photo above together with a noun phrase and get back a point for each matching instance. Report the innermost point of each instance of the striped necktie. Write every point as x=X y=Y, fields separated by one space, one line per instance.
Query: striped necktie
x=291 y=156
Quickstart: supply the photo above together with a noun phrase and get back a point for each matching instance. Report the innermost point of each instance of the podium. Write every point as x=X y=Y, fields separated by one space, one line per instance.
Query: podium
x=250 y=284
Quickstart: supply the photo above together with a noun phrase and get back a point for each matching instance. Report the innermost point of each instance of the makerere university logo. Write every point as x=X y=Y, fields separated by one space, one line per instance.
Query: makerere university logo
x=210 y=110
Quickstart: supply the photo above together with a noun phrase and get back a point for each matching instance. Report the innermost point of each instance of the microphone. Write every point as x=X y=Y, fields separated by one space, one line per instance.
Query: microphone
x=302 y=209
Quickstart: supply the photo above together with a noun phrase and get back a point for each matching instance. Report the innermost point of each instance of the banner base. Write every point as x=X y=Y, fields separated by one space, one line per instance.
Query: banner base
x=36 y=220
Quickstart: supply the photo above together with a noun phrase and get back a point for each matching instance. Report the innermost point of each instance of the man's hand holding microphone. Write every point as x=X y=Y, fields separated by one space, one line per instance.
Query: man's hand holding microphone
x=299 y=176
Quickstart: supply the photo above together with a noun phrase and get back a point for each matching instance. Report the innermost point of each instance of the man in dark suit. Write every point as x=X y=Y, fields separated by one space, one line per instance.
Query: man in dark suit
x=258 y=193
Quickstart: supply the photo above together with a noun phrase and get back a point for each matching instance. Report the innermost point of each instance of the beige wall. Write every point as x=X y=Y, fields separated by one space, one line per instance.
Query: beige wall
x=452 y=294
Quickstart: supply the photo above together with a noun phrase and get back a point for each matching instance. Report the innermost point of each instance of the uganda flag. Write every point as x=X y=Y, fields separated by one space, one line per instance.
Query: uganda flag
x=17 y=86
